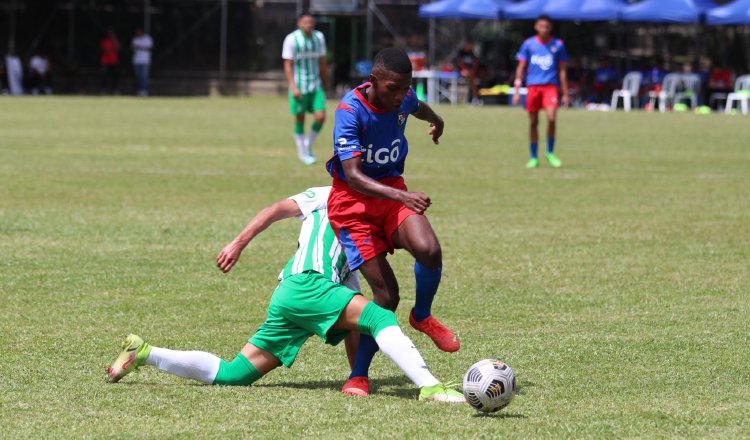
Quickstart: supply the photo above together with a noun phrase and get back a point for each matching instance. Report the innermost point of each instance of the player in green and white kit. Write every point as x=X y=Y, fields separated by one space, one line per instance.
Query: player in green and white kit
x=311 y=299
x=306 y=71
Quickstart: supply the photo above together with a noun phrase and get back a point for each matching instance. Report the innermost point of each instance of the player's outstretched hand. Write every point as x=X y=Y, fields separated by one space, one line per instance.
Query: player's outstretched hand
x=566 y=101
x=436 y=130
x=229 y=256
x=416 y=201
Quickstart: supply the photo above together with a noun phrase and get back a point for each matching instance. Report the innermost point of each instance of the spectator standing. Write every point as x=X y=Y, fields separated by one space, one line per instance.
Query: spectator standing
x=467 y=63
x=39 y=74
x=306 y=70
x=109 y=62
x=141 y=46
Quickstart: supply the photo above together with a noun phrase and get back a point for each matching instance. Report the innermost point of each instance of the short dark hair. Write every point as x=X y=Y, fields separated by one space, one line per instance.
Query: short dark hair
x=393 y=60
x=544 y=17
x=305 y=13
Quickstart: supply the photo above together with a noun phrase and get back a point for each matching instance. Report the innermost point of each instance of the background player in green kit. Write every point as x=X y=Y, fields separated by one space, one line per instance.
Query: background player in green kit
x=306 y=71
x=311 y=299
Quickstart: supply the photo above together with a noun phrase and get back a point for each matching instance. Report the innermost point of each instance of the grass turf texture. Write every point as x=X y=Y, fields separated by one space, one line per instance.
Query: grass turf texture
x=616 y=287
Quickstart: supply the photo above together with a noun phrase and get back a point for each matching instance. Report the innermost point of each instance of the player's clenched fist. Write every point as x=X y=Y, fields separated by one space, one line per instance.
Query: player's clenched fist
x=416 y=201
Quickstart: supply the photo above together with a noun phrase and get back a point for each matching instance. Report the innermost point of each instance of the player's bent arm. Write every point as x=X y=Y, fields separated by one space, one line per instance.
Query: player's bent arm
x=323 y=65
x=267 y=216
x=359 y=181
x=289 y=74
x=563 y=72
x=426 y=113
x=520 y=74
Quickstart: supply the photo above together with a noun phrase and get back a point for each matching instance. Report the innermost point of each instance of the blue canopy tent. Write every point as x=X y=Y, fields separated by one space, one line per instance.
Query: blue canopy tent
x=525 y=10
x=671 y=11
x=737 y=12
x=441 y=9
x=585 y=10
x=484 y=9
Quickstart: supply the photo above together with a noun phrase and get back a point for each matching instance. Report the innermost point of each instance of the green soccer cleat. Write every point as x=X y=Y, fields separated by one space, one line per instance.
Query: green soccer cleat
x=553 y=160
x=134 y=354
x=441 y=393
x=532 y=163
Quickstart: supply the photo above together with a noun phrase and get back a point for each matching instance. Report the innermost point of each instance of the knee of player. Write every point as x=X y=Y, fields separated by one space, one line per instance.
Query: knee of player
x=431 y=256
x=321 y=118
x=551 y=118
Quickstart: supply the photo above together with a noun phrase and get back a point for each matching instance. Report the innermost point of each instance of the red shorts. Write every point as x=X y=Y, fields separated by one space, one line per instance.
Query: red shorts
x=363 y=224
x=539 y=97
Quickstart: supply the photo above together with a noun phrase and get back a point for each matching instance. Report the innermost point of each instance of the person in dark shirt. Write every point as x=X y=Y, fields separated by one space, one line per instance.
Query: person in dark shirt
x=467 y=63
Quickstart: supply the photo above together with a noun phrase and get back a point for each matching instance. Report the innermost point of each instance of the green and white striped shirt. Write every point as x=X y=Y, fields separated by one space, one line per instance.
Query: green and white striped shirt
x=318 y=249
x=305 y=52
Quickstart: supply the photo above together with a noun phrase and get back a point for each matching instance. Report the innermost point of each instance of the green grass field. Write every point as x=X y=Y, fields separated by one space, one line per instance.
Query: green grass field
x=616 y=287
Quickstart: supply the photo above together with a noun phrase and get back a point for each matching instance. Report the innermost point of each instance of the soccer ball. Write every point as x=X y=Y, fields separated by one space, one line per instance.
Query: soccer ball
x=489 y=385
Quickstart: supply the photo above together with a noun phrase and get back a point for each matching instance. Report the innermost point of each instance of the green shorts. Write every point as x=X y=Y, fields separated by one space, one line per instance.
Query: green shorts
x=303 y=305
x=308 y=102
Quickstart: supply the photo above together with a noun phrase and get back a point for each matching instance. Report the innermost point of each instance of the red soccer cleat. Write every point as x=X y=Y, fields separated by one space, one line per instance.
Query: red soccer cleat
x=441 y=335
x=357 y=386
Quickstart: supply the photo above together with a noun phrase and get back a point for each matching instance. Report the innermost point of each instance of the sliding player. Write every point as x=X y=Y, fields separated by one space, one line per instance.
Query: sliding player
x=309 y=301
x=370 y=208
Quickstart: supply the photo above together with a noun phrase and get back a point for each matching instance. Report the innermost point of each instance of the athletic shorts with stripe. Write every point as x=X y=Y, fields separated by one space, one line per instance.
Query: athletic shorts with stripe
x=363 y=224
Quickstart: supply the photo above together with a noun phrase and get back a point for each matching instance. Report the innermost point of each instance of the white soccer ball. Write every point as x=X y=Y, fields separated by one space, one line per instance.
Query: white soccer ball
x=489 y=385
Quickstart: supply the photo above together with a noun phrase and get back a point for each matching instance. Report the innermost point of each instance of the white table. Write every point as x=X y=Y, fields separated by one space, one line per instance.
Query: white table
x=440 y=85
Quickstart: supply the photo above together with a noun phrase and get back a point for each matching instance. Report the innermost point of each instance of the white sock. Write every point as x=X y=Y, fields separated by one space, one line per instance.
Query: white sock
x=197 y=365
x=299 y=139
x=399 y=348
x=310 y=141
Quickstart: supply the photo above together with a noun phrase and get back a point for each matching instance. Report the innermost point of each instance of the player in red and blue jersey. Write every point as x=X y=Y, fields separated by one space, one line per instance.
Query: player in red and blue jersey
x=370 y=208
x=542 y=59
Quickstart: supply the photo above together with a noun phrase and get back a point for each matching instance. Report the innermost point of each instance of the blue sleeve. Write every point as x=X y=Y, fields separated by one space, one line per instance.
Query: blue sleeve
x=411 y=102
x=346 y=133
x=523 y=52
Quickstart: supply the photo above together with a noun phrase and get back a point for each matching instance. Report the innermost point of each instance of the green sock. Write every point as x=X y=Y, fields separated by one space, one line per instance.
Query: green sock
x=316 y=126
x=299 y=128
x=374 y=319
x=238 y=372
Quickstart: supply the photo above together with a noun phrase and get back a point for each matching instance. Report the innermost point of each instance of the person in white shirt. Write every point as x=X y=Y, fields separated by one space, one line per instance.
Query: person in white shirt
x=39 y=74
x=141 y=46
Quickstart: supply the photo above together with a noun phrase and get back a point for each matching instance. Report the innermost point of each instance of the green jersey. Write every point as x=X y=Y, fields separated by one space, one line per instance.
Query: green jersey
x=318 y=249
x=305 y=52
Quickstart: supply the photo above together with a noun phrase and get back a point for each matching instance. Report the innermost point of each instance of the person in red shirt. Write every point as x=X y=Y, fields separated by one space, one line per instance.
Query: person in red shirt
x=109 y=61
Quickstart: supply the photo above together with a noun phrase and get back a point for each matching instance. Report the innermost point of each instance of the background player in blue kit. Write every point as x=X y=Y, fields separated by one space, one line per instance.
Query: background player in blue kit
x=369 y=207
x=543 y=59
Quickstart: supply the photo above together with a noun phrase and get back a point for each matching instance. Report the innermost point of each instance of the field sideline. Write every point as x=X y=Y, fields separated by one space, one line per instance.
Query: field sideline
x=616 y=287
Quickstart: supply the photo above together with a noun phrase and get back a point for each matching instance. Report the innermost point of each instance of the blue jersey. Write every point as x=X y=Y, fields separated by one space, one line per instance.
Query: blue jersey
x=360 y=129
x=543 y=60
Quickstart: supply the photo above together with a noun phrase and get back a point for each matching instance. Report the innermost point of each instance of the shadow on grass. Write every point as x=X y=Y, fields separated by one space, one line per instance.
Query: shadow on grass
x=499 y=415
x=375 y=386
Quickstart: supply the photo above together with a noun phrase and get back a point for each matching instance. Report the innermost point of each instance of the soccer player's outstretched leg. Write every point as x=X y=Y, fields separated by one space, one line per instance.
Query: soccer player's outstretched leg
x=545 y=58
x=371 y=209
x=311 y=299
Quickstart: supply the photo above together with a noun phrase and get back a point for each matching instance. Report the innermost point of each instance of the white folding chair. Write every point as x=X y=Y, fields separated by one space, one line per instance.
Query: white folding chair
x=741 y=95
x=668 y=90
x=631 y=85
x=691 y=89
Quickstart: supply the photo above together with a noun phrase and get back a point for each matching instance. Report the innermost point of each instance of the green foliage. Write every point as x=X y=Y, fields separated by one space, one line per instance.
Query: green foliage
x=616 y=287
